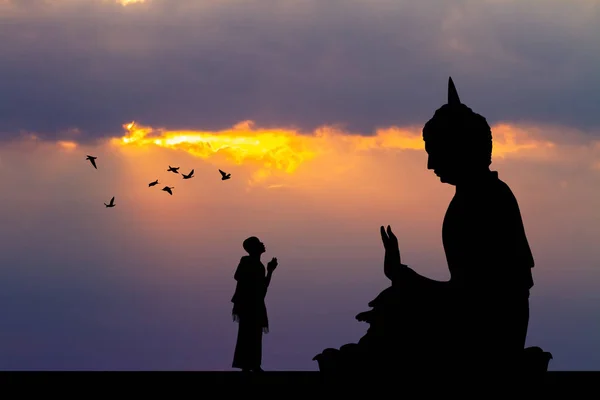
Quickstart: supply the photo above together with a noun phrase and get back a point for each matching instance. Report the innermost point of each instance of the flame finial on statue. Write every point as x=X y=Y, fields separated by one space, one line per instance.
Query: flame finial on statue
x=453 y=98
x=456 y=123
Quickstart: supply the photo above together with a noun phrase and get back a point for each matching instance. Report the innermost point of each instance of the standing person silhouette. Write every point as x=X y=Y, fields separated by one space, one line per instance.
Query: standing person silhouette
x=249 y=308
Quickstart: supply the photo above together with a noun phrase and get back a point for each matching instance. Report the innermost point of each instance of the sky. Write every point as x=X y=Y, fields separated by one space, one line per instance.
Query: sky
x=316 y=109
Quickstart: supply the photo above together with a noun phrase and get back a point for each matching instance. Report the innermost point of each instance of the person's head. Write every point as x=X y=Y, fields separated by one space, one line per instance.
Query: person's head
x=458 y=141
x=254 y=246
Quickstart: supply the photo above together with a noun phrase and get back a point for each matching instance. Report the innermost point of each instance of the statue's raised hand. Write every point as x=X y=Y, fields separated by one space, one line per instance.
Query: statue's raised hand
x=390 y=243
x=392 y=262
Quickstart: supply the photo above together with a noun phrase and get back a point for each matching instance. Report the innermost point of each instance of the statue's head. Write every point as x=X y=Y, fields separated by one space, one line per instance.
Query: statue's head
x=253 y=246
x=458 y=141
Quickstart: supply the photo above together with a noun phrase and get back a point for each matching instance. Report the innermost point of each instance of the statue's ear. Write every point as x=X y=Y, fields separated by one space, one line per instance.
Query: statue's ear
x=453 y=98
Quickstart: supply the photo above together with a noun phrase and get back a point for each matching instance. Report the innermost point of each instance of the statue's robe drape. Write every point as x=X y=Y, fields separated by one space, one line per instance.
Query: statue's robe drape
x=483 y=309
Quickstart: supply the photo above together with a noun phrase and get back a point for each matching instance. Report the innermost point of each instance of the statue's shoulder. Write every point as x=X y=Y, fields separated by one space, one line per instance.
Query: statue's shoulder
x=503 y=191
x=504 y=199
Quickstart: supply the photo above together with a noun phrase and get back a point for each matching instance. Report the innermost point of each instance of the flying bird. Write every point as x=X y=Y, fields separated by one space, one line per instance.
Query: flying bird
x=188 y=176
x=168 y=190
x=175 y=170
x=92 y=160
x=224 y=175
x=112 y=203
x=153 y=183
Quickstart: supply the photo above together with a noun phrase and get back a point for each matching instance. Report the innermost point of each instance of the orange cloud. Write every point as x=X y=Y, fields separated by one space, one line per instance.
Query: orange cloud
x=285 y=149
x=510 y=139
x=270 y=149
x=270 y=156
x=67 y=144
x=129 y=2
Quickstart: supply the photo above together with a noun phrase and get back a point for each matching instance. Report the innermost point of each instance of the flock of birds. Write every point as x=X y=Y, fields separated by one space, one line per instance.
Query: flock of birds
x=168 y=189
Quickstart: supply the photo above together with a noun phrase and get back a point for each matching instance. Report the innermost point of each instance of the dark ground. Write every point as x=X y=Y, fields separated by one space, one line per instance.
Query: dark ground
x=219 y=384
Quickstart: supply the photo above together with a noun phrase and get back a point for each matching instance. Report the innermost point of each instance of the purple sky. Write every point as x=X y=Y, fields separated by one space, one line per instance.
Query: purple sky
x=147 y=285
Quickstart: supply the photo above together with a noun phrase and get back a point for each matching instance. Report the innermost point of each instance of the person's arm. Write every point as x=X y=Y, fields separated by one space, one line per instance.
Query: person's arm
x=270 y=268
x=241 y=289
x=268 y=280
x=241 y=276
x=242 y=272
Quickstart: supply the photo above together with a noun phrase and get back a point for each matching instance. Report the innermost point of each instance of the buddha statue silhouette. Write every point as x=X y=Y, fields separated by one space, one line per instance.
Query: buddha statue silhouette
x=423 y=324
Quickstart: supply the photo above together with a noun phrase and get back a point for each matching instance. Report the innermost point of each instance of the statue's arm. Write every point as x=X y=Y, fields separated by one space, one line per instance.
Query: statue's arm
x=402 y=274
x=393 y=268
x=501 y=253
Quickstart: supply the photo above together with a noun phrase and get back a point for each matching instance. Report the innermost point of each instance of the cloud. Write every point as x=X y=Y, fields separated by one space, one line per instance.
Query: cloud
x=272 y=153
x=187 y=64
x=130 y=2
x=275 y=151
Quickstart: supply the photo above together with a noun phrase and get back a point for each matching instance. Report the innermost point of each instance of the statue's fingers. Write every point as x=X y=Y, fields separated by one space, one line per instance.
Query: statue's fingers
x=384 y=237
x=391 y=234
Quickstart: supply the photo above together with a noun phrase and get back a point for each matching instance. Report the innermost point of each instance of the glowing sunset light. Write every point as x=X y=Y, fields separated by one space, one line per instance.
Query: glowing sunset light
x=129 y=2
x=67 y=145
x=278 y=149
x=286 y=149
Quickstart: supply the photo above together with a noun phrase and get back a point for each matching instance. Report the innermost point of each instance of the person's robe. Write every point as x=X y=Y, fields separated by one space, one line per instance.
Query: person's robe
x=250 y=311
